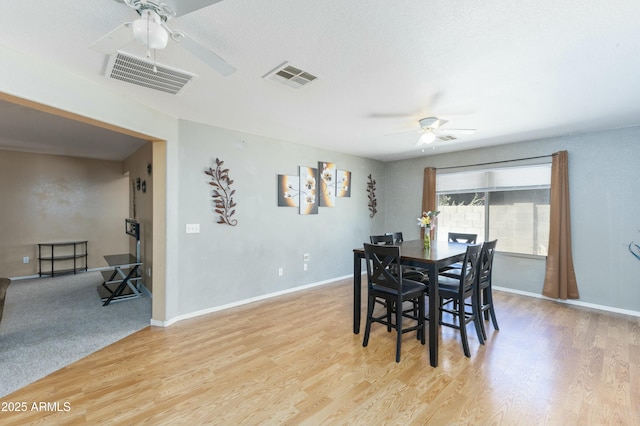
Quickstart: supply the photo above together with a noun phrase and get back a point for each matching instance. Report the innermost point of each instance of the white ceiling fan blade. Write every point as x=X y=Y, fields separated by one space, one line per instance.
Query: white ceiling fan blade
x=182 y=7
x=406 y=132
x=458 y=131
x=114 y=40
x=205 y=55
x=439 y=122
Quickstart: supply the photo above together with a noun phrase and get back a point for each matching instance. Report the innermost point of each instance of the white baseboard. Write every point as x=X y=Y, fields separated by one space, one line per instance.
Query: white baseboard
x=24 y=277
x=571 y=302
x=244 y=302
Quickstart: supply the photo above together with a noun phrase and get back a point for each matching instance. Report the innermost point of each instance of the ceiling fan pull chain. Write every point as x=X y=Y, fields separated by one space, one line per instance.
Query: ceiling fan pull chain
x=155 y=69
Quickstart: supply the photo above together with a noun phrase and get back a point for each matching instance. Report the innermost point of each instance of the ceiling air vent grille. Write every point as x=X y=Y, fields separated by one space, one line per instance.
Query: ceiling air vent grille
x=141 y=72
x=445 y=138
x=290 y=76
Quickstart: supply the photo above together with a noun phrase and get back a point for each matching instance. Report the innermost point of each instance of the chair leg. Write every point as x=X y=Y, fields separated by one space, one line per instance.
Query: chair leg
x=370 y=304
x=463 y=329
x=421 y=320
x=477 y=323
x=477 y=317
x=398 y=331
x=491 y=310
x=389 y=305
x=485 y=299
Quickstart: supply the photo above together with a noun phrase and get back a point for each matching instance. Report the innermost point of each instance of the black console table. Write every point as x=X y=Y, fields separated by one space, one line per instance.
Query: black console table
x=121 y=282
x=70 y=257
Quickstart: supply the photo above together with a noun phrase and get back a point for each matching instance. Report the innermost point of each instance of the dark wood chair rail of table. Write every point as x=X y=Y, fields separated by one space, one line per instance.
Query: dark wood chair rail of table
x=413 y=253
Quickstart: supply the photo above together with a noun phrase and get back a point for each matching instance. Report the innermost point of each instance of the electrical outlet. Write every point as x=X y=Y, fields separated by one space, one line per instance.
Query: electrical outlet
x=280 y=272
x=193 y=228
x=305 y=257
x=25 y=259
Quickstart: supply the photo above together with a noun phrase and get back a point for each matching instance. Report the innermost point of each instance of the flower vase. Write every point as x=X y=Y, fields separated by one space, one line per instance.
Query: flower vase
x=427 y=238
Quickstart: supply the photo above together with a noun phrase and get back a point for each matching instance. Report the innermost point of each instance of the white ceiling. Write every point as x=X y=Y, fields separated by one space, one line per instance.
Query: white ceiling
x=513 y=70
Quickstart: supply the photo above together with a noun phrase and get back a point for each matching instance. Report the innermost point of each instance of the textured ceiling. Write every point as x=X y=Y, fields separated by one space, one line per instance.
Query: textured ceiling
x=512 y=70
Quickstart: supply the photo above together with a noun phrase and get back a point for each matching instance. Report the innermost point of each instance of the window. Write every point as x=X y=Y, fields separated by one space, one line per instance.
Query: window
x=510 y=204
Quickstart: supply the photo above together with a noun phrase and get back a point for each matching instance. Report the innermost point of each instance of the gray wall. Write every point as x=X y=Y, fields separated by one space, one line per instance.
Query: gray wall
x=604 y=174
x=224 y=264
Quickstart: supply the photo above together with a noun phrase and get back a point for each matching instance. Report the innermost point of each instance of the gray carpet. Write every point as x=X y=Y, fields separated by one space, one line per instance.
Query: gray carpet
x=49 y=323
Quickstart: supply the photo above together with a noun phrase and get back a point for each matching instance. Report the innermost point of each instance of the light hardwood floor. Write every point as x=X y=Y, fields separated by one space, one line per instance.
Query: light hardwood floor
x=295 y=360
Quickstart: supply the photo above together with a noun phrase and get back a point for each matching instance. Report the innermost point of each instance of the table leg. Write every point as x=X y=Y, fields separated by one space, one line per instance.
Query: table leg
x=434 y=314
x=357 y=292
x=122 y=285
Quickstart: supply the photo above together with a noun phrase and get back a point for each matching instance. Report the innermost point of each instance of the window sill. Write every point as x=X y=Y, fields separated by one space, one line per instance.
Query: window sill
x=523 y=255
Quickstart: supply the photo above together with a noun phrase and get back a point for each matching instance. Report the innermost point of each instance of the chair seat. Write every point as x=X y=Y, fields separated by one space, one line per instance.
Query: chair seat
x=408 y=288
x=414 y=274
x=449 y=288
x=453 y=272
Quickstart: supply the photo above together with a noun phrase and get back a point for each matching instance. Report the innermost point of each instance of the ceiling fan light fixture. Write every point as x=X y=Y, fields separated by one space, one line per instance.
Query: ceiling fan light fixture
x=427 y=138
x=148 y=30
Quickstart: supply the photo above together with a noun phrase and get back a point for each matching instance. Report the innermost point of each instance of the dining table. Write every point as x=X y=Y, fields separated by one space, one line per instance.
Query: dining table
x=431 y=260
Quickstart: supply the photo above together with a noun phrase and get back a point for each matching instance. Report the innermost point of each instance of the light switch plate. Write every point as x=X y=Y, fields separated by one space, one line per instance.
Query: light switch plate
x=193 y=228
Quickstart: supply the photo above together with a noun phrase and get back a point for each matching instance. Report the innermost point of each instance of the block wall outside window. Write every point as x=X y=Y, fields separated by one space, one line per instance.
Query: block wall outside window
x=520 y=226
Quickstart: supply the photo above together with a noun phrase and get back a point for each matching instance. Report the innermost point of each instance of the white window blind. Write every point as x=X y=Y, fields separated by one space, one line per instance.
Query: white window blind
x=497 y=179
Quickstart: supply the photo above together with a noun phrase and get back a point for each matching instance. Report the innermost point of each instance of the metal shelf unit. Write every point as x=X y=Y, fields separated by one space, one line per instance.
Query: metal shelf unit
x=69 y=257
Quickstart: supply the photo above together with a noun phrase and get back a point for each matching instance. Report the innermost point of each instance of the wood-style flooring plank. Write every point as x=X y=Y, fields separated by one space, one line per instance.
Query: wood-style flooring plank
x=294 y=360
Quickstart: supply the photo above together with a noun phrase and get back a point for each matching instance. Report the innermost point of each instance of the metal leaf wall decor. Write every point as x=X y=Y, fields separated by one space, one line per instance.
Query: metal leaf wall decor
x=222 y=193
x=371 y=189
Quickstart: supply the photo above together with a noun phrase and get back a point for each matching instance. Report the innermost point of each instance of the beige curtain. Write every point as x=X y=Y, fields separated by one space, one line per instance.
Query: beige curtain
x=428 y=195
x=560 y=278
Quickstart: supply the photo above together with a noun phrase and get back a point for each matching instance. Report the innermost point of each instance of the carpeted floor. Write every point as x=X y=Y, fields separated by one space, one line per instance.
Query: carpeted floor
x=49 y=323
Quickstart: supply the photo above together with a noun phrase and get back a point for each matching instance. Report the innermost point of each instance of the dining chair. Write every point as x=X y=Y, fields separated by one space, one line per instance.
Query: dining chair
x=484 y=294
x=397 y=237
x=391 y=238
x=409 y=272
x=396 y=290
x=457 y=237
x=381 y=239
x=385 y=239
x=455 y=291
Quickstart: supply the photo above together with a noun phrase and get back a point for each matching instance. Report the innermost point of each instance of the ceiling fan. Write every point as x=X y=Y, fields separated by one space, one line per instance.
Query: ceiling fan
x=430 y=130
x=151 y=30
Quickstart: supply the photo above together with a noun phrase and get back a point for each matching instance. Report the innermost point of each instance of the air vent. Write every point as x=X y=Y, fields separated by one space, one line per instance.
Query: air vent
x=142 y=72
x=445 y=138
x=290 y=76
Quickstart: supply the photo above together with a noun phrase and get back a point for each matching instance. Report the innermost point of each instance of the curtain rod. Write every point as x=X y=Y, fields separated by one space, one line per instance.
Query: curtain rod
x=497 y=162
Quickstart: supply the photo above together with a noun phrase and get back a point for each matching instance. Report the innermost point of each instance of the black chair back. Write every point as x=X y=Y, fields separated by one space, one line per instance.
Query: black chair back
x=485 y=264
x=397 y=237
x=382 y=263
x=469 y=271
x=456 y=237
x=381 y=239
